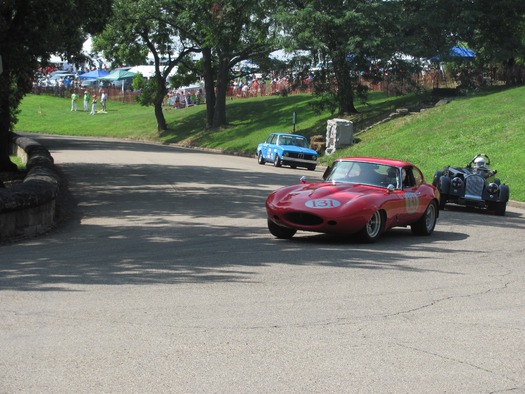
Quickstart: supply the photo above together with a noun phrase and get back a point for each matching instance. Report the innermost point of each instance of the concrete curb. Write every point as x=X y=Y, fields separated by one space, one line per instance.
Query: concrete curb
x=29 y=208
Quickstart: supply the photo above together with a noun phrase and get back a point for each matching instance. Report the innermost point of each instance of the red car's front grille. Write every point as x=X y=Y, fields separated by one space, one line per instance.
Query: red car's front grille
x=302 y=218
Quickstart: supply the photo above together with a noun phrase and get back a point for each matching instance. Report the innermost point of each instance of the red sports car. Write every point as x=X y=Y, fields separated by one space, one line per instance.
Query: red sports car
x=359 y=195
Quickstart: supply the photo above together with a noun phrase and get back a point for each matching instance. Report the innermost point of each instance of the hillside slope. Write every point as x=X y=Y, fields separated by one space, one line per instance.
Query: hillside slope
x=490 y=122
x=452 y=134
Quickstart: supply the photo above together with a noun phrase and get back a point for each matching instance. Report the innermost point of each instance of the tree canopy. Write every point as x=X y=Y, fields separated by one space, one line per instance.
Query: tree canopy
x=356 y=37
x=30 y=31
x=223 y=32
x=139 y=28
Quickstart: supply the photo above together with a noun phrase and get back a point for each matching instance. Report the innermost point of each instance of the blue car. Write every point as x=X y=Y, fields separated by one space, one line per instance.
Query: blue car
x=287 y=149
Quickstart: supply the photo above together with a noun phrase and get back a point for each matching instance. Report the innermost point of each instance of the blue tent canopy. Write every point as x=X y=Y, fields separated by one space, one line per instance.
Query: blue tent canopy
x=118 y=75
x=462 y=52
x=457 y=52
x=93 y=74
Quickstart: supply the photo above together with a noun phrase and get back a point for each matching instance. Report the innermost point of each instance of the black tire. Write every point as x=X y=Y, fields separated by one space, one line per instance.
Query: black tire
x=373 y=229
x=260 y=159
x=277 y=161
x=437 y=177
x=426 y=224
x=442 y=201
x=280 y=231
x=311 y=168
x=443 y=187
x=500 y=208
x=504 y=193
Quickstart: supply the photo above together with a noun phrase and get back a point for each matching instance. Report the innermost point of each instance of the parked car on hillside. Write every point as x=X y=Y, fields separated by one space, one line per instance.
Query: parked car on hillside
x=359 y=196
x=474 y=185
x=287 y=149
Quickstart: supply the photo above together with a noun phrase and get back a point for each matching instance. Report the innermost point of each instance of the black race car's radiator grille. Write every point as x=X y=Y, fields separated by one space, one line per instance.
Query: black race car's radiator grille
x=305 y=219
x=474 y=187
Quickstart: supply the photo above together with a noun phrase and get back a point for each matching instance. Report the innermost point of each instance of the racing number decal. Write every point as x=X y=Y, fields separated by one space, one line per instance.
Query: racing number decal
x=411 y=202
x=322 y=204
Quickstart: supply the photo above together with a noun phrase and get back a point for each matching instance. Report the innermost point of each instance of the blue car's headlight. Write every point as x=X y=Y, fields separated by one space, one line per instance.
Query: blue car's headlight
x=285 y=154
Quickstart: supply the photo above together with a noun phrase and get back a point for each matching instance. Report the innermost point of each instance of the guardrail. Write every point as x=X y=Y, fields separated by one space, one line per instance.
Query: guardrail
x=29 y=208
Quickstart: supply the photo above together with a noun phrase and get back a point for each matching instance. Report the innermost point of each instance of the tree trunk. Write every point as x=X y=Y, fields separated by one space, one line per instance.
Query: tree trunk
x=345 y=98
x=161 y=120
x=509 y=72
x=209 y=86
x=160 y=94
x=219 y=117
x=345 y=93
x=5 y=139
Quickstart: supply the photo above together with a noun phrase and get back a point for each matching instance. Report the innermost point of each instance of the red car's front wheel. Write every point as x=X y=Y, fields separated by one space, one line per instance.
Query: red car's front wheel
x=373 y=229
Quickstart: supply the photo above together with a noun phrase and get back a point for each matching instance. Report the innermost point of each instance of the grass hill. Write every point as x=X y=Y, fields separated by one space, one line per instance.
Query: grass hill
x=491 y=122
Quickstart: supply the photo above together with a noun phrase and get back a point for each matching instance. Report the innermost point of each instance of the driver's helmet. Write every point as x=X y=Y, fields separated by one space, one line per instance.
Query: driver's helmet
x=480 y=163
x=392 y=175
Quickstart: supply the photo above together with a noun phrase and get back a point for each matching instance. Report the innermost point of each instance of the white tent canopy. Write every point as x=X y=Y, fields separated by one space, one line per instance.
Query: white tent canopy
x=148 y=71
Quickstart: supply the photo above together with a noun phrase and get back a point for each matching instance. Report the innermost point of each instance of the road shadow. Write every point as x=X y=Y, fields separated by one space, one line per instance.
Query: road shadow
x=147 y=223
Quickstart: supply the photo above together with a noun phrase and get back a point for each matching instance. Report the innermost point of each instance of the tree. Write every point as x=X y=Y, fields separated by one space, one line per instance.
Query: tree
x=429 y=27
x=30 y=31
x=224 y=32
x=494 y=29
x=141 y=27
x=349 y=33
x=227 y=32
x=497 y=32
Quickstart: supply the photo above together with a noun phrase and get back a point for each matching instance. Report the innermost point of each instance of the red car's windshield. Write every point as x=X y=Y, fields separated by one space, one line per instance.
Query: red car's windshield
x=364 y=173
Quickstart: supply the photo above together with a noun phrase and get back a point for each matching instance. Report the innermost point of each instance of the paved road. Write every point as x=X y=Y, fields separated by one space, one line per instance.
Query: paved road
x=165 y=279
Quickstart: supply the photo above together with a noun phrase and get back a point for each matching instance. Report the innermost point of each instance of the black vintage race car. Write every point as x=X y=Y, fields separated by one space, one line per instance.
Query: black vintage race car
x=474 y=186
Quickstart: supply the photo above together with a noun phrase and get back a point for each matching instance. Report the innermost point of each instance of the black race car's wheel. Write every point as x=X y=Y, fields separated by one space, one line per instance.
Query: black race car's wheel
x=443 y=187
x=373 y=229
x=437 y=177
x=260 y=159
x=500 y=208
x=277 y=161
x=442 y=201
x=280 y=231
x=425 y=225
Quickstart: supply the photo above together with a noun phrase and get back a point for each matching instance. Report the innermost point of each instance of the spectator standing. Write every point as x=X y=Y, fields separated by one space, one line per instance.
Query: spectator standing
x=86 y=101
x=245 y=90
x=262 y=86
x=74 y=98
x=103 y=99
x=94 y=105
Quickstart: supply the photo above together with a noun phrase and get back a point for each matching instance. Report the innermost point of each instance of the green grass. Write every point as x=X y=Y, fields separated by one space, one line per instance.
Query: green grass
x=18 y=161
x=453 y=134
x=489 y=122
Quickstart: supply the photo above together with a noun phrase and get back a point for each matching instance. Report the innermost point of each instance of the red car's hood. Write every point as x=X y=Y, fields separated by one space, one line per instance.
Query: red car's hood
x=342 y=192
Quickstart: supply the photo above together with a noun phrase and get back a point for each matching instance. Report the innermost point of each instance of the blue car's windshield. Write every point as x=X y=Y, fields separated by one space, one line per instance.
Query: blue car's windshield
x=293 y=140
x=364 y=173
